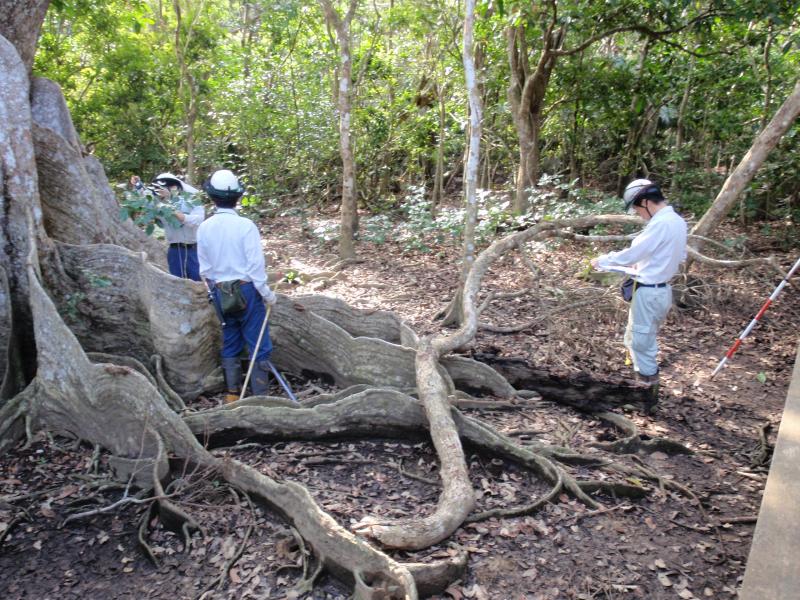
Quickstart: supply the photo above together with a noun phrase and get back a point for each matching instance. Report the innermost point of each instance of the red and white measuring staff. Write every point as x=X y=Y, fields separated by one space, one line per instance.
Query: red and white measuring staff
x=752 y=324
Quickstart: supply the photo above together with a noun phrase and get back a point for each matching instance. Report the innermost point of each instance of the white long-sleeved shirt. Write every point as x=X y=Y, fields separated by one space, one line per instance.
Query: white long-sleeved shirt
x=229 y=248
x=186 y=233
x=656 y=253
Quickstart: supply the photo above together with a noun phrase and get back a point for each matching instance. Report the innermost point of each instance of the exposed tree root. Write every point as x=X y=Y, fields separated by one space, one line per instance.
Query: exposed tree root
x=173 y=400
x=632 y=442
x=84 y=399
x=341 y=552
x=614 y=489
x=373 y=412
x=457 y=498
x=433 y=578
x=380 y=324
x=518 y=511
x=128 y=307
x=171 y=396
x=304 y=338
x=13 y=420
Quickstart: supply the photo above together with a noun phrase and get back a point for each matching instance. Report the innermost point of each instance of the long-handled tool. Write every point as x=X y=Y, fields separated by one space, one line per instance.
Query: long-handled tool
x=283 y=382
x=753 y=323
x=272 y=368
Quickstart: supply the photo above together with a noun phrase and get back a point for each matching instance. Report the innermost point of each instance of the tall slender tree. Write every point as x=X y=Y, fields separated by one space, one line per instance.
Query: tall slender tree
x=349 y=209
x=455 y=310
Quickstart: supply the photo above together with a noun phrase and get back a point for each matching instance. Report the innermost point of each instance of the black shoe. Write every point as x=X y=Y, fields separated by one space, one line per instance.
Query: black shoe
x=651 y=398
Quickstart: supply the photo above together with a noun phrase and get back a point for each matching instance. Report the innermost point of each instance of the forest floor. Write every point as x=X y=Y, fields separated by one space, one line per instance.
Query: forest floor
x=666 y=544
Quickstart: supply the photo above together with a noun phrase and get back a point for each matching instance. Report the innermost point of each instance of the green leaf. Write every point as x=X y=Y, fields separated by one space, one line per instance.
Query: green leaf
x=123 y=214
x=762 y=377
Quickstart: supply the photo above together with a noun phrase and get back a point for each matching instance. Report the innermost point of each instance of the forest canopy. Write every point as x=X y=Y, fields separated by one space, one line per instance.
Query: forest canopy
x=674 y=91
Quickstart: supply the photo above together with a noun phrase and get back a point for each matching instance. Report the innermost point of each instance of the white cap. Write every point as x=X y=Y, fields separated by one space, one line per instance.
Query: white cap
x=170 y=179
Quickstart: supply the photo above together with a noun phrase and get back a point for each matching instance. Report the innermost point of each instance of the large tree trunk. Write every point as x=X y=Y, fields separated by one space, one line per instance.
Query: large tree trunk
x=738 y=180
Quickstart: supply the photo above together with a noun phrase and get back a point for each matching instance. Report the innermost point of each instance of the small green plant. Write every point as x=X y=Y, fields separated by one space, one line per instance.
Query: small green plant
x=292 y=277
x=554 y=199
x=95 y=280
x=146 y=209
x=326 y=232
x=376 y=229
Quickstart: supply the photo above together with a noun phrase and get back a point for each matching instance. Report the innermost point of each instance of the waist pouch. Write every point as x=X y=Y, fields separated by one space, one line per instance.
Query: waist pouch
x=231 y=298
x=627 y=288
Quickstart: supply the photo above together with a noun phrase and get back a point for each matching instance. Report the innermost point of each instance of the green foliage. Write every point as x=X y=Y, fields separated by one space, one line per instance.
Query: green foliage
x=260 y=84
x=553 y=198
x=292 y=277
x=148 y=210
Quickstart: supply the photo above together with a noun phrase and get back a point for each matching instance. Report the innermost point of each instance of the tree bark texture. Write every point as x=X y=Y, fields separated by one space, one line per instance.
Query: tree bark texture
x=20 y=23
x=349 y=209
x=453 y=314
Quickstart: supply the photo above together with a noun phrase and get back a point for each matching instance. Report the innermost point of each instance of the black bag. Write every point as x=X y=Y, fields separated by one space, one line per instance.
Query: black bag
x=627 y=288
x=231 y=298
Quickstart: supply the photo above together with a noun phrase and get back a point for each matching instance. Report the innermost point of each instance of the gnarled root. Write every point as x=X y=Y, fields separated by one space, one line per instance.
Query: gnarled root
x=633 y=442
x=337 y=549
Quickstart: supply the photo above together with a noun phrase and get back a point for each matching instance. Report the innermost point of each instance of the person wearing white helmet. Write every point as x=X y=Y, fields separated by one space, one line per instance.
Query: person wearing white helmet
x=232 y=263
x=653 y=258
x=181 y=234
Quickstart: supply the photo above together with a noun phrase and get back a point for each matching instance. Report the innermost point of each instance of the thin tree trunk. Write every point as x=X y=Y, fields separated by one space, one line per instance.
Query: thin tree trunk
x=768 y=82
x=349 y=209
x=438 y=178
x=454 y=313
x=739 y=179
x=575 y=134
x=526 y=94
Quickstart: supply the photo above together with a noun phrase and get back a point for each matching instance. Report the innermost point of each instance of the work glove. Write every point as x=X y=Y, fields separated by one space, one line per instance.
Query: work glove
x=271 y=298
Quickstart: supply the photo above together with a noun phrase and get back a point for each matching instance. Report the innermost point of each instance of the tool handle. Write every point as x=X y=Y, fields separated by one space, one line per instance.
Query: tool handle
x=255 y=352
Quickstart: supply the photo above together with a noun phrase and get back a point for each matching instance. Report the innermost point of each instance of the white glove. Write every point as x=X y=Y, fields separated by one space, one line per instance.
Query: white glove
x=271 y=298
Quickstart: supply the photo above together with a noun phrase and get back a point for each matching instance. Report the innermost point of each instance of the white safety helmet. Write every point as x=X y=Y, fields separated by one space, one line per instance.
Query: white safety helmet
x=640 y=189
x=223 y=185
x=168 y=179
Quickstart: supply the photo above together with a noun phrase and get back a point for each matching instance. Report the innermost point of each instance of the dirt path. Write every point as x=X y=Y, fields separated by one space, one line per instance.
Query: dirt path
x=665 y=545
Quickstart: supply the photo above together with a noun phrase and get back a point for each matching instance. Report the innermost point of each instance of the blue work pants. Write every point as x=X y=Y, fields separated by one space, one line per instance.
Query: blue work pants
x=243 y=328
x=182 y=261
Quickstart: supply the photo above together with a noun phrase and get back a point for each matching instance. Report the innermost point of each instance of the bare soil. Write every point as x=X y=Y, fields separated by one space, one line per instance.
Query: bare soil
x=664 y=545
